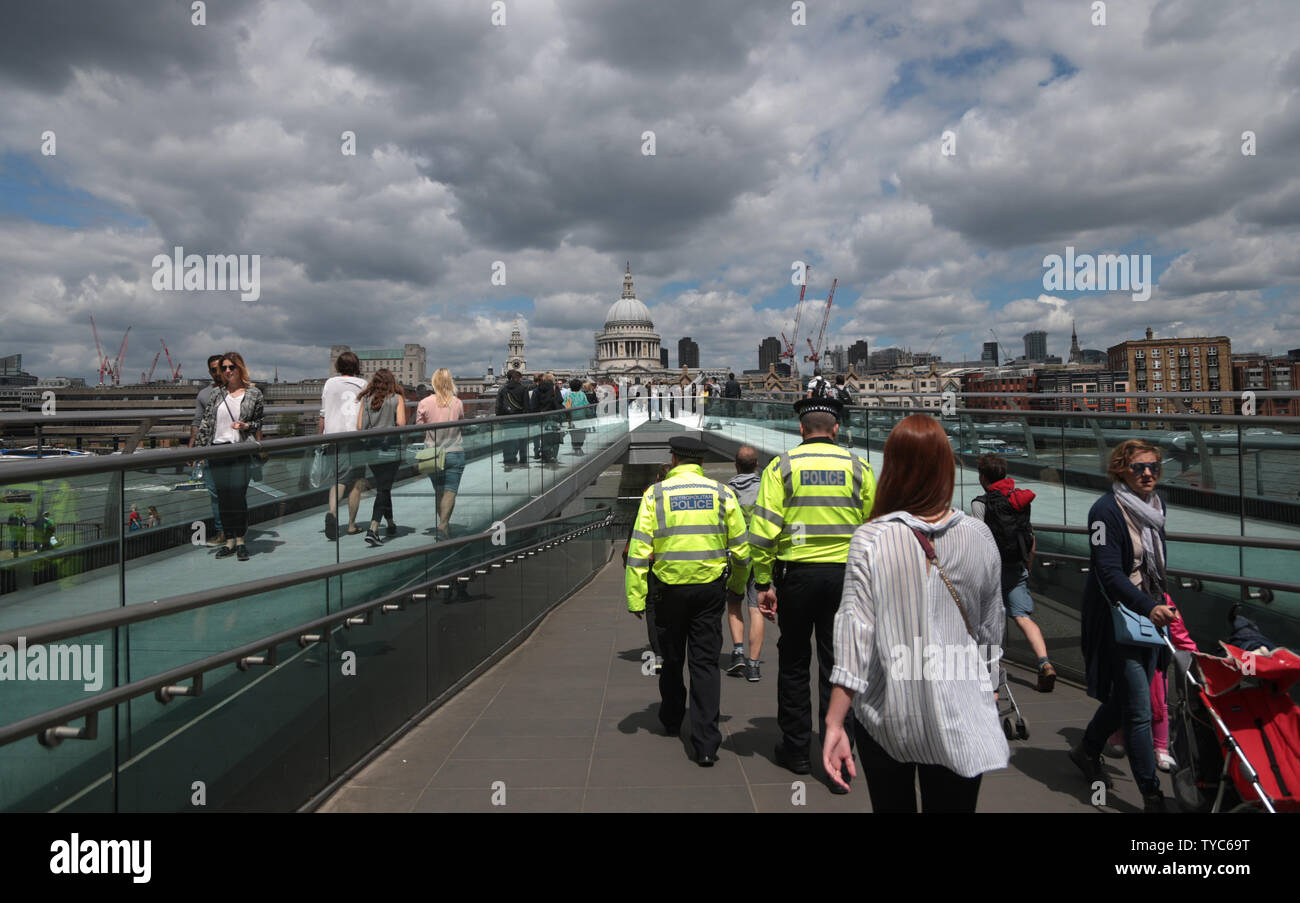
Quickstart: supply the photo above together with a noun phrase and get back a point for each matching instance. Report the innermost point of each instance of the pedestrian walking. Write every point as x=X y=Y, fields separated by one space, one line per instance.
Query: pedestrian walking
x=234 y=415
x=201 y=402
x=810 y=501
x=382 y=406
x=921 y=577
x=690 y=524
x=338 y=414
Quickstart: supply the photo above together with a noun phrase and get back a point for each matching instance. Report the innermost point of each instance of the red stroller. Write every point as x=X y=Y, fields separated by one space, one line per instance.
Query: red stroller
x=1233 y=714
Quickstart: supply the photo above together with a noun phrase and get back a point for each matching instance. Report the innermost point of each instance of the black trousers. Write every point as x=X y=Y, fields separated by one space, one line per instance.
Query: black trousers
x=688 y=619
x=384 y=472
x=230 y=477
x=808 y=596
x=651 y=585
x=892 y=784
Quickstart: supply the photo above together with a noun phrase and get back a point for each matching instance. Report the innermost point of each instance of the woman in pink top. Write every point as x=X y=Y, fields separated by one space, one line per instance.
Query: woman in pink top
x=442 y=407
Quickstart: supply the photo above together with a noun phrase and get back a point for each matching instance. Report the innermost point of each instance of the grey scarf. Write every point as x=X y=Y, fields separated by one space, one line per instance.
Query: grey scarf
x=1149 y=516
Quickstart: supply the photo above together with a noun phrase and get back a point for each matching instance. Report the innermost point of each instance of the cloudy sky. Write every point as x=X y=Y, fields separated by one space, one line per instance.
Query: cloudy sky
x=523 y=143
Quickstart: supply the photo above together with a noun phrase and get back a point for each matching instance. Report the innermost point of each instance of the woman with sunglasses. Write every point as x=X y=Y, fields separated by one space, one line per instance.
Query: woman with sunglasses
x=1127 y=532
x=234 y=414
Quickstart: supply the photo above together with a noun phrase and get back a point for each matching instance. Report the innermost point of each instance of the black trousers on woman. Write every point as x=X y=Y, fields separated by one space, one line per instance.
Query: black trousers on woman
x=384 y=473
x=892 y=784
x=230 y=477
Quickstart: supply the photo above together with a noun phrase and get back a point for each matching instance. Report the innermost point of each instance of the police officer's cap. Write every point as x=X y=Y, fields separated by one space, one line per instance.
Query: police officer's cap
x=832 y=406
x=686 y=447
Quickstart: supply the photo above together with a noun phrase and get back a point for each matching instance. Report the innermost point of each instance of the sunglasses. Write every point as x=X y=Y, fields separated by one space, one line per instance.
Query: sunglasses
x=1139 y=469
x=231 y=367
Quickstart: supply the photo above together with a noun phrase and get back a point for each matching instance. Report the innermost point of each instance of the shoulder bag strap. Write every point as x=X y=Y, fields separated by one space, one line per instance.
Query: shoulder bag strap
x=928 y=548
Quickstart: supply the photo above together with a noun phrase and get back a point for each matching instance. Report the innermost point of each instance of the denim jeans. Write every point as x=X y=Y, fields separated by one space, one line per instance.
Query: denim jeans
x=212 y=494
x=1129 y=706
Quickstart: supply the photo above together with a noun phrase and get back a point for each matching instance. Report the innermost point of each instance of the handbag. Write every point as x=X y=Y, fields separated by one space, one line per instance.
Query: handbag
x=931 y=559
x=1131 y=628
x=431 y=460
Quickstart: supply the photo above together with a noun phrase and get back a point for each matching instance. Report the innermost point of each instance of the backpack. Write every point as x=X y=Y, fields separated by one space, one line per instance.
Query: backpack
x=1010 y=528
x=821 y=388
x=845 y=396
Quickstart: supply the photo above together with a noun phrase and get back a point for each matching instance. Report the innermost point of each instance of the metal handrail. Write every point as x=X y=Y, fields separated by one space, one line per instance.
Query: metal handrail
x=1243 y=542
x=46 y=721
x=1016 y=413
x=83 y=465
x=1244 y=582
x=1132 y=393
x=80 y=625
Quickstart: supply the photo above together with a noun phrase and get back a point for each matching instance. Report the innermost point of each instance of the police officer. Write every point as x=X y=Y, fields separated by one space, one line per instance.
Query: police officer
x=689 y=523
x=810 y=501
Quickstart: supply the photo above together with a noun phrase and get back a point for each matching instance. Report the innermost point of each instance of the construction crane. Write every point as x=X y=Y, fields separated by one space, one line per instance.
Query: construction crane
x=816 y=355
x=175 y=368
x=1001 y=350
x=145 y=380
x=938 y=335
x=121 y=353
x=100 y=360
x=790 y=351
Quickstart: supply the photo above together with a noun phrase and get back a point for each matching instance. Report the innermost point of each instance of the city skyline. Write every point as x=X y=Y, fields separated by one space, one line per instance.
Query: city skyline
x=398 y=181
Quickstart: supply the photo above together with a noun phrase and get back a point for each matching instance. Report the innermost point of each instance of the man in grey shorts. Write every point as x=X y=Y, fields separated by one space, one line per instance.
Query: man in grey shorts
x=1005 y=509
x=745 y=483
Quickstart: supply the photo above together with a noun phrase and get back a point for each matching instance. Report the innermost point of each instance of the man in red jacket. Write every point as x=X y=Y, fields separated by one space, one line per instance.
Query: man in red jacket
x=1005 y=509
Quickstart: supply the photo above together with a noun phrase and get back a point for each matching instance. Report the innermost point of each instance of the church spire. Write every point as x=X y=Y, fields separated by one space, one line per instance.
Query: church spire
x=1076 y=355
x=628 y=290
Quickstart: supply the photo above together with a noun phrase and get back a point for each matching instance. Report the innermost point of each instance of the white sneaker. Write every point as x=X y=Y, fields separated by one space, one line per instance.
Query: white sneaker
x=1164 y=761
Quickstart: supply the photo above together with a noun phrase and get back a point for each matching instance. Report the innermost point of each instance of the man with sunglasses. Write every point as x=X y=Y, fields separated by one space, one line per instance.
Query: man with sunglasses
x=201 y=402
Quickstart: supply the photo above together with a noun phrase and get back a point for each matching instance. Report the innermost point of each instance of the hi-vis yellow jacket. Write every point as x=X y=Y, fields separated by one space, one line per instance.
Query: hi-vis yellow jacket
x=810 y=501
x=689 y=523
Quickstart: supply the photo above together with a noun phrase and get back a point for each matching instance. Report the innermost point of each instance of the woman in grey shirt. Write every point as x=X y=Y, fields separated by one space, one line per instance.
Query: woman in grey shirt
x=918 y=637
x=382 y=406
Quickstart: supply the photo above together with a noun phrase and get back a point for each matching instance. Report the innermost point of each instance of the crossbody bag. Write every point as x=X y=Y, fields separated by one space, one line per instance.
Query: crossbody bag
x=931 y=559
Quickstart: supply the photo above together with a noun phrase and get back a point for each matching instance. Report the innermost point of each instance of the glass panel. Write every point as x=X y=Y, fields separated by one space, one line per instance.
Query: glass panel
x=59 y=547
x=376 y=672
x=255 y=739
x=76 y=775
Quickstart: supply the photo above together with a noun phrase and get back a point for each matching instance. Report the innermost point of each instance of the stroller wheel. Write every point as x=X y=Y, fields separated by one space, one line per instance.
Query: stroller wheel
x=1008 y=728
x=1021 y=730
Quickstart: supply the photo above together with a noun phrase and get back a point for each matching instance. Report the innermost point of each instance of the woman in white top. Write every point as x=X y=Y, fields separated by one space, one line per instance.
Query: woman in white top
x=234 y=414
x=441 y=407
x=918 y=666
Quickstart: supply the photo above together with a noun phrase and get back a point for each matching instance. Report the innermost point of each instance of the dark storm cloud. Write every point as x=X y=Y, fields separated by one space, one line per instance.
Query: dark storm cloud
x=606 y=197
x=43 y=42
x=668 y=36
x=441 y=49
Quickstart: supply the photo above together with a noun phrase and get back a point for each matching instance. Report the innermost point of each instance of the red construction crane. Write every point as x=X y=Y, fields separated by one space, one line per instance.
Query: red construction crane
x=789 y=351
x=100 y=361
x=816 y=355
x=121 y=353
x=175 y=368
x=145 y=380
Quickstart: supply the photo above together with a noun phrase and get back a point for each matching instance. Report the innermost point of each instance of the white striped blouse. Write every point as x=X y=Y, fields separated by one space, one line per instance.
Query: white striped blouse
x=924 y=687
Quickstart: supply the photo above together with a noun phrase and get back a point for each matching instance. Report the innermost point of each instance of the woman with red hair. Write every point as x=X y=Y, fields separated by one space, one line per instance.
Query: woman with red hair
x=918 y=637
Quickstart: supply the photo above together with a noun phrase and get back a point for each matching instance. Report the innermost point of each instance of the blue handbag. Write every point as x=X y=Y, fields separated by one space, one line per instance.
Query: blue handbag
x=1131 y=628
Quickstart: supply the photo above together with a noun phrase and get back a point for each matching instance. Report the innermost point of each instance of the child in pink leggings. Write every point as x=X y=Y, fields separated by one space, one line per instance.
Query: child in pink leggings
x=1181 y=639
